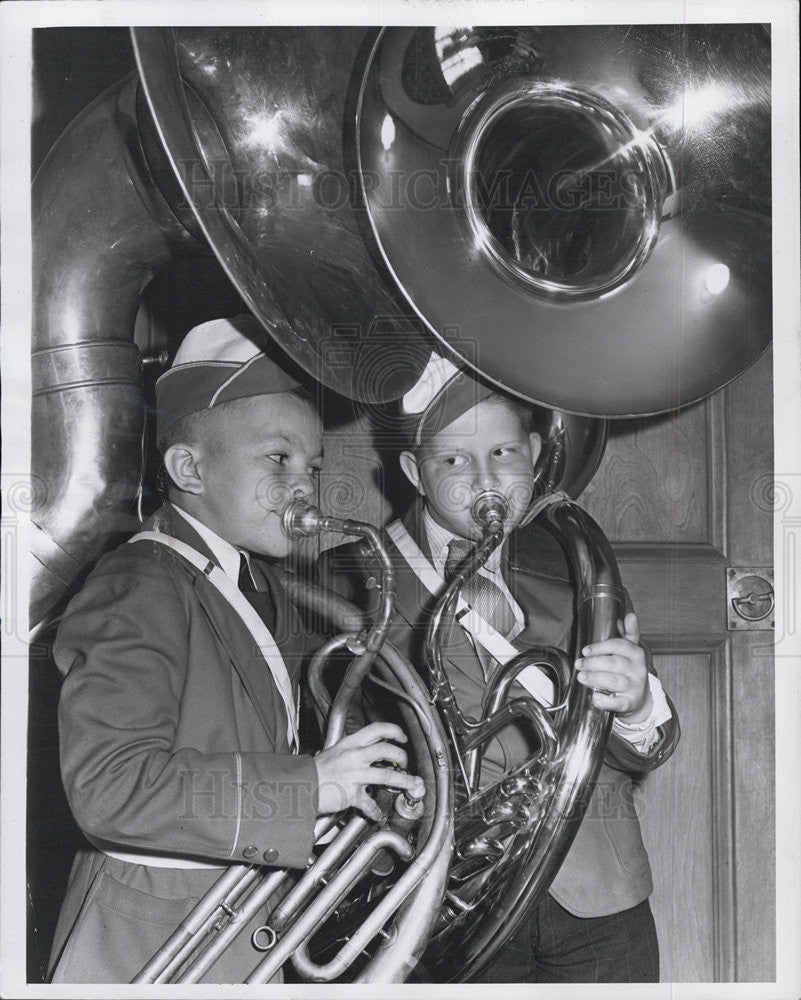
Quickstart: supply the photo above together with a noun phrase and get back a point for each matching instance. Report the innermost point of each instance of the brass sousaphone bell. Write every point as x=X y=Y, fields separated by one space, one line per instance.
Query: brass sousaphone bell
x=580 y=214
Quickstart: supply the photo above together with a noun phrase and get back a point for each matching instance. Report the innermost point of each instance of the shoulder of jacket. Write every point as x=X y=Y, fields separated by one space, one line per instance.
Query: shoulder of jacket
x=144 y=562
x=537 y=552
x=128 y=582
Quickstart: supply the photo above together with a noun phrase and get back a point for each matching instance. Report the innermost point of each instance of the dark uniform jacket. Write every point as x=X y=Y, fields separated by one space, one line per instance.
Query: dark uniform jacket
x=606 y=869
x=173 y=741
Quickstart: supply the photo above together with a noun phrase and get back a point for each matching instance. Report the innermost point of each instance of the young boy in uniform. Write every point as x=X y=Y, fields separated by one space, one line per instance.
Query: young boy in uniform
x=181 y=656
x=595 y=924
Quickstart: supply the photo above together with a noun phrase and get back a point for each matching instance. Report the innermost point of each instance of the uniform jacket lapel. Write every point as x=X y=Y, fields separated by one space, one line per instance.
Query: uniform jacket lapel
x=535 y=569
x=246 y=658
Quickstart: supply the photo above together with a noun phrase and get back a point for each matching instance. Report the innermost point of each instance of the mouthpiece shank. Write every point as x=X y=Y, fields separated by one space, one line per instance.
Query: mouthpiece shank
x=301 y=520
x=489 y=510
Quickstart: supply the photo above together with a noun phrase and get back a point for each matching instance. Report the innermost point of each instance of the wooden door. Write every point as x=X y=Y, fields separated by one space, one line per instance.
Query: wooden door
x=686 y=498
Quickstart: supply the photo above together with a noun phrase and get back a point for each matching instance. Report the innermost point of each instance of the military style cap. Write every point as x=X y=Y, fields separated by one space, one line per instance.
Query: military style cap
x=442 y=393
x=217 y=362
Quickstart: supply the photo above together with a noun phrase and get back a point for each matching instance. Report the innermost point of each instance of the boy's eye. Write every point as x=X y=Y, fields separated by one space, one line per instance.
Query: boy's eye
x=455 y=460
x=279 y=457
x=505 y=450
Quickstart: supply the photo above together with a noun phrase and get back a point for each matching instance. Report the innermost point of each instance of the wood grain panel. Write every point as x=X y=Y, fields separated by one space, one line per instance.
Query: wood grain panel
x=749 y=409
x=653 y=483
x=676 y=591
x=678 y=806
x=754 y=831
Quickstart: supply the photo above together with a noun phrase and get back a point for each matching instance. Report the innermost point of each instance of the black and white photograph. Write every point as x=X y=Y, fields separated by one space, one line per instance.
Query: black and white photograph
x=401 y=523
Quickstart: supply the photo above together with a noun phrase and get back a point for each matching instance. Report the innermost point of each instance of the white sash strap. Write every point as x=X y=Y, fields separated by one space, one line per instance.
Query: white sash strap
x=532 y=679
x=250 y=618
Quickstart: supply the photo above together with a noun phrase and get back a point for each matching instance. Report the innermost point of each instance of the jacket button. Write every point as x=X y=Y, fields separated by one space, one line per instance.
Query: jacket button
x=250 y=852
x=270 y=855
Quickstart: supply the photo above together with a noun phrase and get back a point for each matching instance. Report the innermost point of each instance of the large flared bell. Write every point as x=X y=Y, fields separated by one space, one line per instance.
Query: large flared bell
x=581 y=214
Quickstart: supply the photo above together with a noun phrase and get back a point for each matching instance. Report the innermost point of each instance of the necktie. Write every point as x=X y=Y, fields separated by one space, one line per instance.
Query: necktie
x=261 y=600
x=484 y=597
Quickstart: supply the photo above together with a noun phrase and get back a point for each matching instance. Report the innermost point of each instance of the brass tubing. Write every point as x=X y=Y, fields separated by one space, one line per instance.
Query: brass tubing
x=200 y=938
x=501 y=681
x=324 y=904
x=422 y=885
x=290 y=905
x=96 y=247
x=301 y=520
x=314 y=676
x=195 y=921
x=533 y=859
x=271 y=881
x=442 y=619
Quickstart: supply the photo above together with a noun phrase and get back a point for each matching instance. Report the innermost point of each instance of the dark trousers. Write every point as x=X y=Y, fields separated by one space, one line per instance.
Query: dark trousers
x=553 y=946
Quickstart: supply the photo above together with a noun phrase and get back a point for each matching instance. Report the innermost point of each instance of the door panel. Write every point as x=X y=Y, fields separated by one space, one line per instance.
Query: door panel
x=682 y=498
x=682 y=854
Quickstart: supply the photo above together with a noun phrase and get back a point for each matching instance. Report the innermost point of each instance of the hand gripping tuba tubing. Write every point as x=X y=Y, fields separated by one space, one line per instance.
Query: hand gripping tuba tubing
x=406 y=912
x=512 y=836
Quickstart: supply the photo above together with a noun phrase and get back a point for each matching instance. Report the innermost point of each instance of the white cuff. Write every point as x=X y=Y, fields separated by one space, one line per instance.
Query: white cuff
x=643 y=735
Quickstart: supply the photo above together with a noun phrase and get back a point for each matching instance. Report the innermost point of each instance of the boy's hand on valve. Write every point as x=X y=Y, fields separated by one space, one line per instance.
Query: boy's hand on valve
x=617 y=672
x=346 y=769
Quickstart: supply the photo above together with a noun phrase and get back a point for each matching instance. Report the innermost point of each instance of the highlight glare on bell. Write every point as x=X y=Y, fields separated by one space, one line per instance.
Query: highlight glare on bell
x=260 y=158
x=388 y=132
x=717 y=279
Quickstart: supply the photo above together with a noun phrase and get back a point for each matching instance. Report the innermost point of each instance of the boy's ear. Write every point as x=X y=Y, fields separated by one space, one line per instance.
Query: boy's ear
x=536 y=446
x=411 y=470
x=180 y=461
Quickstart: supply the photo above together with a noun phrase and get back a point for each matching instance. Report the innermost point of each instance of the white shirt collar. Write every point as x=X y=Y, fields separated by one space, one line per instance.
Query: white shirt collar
x=225 y=553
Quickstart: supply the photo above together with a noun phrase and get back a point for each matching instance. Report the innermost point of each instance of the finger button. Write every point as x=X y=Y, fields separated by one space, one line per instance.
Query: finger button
x=270 y=855
x=250 y=852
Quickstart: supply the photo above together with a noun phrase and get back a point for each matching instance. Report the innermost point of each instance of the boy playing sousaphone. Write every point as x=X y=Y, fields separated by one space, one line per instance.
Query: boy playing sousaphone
x=178 y=714
x=595 y=924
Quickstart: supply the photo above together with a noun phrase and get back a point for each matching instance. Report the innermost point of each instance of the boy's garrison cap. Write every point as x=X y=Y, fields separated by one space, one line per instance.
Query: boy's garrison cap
x=217 y=362
x=442 y=393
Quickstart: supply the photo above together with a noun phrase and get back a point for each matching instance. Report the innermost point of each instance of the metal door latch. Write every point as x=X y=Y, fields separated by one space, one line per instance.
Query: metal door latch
x=749 y=597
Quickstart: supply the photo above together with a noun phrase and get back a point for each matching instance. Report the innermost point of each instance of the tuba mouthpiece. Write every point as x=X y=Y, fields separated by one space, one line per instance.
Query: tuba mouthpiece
x=301 y=520
x=490 y=509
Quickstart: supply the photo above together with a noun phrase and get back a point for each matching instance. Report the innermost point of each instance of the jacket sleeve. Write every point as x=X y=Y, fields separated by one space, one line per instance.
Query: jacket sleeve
x=622 y=756
x=124 y=647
